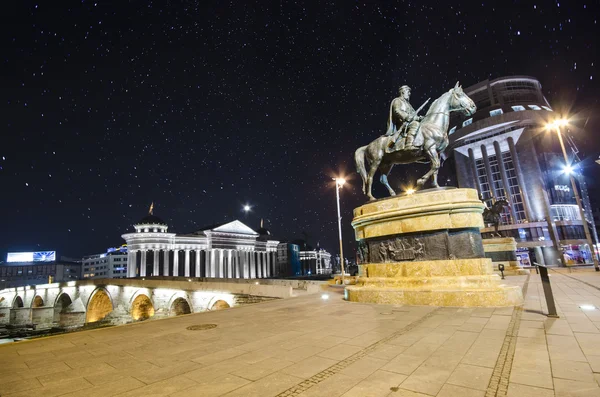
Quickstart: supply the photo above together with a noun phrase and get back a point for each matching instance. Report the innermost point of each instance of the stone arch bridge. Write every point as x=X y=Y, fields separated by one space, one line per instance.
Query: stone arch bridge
x=118 y=301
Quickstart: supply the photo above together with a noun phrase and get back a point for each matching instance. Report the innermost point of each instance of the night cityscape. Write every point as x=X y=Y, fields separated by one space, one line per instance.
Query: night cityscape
x=207 y=164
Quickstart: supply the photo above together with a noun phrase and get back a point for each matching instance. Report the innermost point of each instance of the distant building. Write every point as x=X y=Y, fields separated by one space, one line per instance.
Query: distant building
x=42 y=267
x=112 y=264
x=505 y=153
x=226 y=250
x=288 y=260
x=315 y=262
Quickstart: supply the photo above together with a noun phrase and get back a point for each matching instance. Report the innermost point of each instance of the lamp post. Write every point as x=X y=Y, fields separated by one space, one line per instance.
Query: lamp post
x=339 y=182
x=557 y=124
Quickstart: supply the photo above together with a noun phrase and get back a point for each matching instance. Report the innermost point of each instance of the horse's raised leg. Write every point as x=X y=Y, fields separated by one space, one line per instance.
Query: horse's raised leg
x=374 y=165
x=384 y=170
x=434 y=158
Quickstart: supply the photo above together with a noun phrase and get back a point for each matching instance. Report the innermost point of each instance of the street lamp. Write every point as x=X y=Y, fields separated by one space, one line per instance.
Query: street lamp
x=339 y=182
x=569 y=171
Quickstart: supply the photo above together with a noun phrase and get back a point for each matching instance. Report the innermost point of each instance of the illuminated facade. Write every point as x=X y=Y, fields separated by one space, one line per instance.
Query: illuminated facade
x=112 y=264
x=504 y=152
x=229 y=250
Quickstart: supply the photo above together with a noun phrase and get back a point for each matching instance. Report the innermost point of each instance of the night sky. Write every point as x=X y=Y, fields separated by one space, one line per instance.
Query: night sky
x=202 y=107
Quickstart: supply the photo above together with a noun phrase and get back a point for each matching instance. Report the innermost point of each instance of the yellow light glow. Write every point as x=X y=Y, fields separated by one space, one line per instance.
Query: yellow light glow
x=340 y=181
x=410 y=191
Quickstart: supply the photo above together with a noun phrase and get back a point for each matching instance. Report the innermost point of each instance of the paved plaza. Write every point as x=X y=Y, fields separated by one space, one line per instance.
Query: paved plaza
x=309 y=346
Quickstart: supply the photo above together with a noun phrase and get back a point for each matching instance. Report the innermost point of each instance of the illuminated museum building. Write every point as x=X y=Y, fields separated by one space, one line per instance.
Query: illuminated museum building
x=505 y=147
x=229 y=250
x=32 y=268
x=111 y=264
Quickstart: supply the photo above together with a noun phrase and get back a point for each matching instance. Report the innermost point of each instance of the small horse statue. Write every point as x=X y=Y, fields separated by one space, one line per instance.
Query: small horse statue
x=492 y=215
x=430 y=141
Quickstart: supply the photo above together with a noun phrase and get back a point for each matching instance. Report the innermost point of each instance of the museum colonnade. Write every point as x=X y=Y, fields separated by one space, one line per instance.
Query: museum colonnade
x=215 y=263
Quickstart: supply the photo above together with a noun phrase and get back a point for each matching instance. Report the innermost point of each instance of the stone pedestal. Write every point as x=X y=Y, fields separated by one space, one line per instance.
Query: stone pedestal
x=503 y=250
x=426 y=249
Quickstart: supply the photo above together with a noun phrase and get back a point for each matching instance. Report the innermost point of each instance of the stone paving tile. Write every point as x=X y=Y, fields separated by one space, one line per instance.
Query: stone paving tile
x=568 y=388
x=213 y=388
x=377 y=384
x=517 y=390
x=65 y=386
x=454 y=391
x=18 y=386
x=339 y=352
x=266 y=387
x=427 y=380
x=471 y=376
x=108 y=388
x=262 y=368
x=572 y=370
x=308 y=367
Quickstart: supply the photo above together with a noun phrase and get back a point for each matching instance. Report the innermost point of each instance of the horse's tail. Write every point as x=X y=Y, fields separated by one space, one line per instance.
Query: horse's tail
x=359 y=159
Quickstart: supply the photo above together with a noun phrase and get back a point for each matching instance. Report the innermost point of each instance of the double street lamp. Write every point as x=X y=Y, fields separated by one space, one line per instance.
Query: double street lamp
x=339 y=182
x=569 y=170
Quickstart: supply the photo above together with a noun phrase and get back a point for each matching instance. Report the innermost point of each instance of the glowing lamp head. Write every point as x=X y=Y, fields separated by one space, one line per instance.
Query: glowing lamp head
x=340 y=181
x=410 y=191
x=247 y=208
x=568 y=170
x=325 y=297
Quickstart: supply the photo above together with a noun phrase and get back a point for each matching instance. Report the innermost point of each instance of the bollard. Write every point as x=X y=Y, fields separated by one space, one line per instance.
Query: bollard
x=501 y=268
x=547 y=290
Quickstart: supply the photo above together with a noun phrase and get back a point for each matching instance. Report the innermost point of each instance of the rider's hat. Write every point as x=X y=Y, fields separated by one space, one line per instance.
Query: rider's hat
x=404 y=87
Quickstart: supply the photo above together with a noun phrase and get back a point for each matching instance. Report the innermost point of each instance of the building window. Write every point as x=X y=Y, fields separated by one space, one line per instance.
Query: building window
x=495 y=112
x=467 y=122
x=518 y=108
x=534 y=107
x=565 y=212
x=452 y=130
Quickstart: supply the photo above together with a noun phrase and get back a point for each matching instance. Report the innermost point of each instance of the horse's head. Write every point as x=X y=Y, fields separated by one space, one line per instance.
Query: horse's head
x=461 y=101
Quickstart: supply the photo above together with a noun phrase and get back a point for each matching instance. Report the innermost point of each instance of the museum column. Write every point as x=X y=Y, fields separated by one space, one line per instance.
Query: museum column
x=131 y=263
x=187 y=263
x=259 y=273
x=155 y=257
x=143 y=263
x=175 y=263
x=246 y=258
x=229 y=264
x=197 y=265
x=166 y=262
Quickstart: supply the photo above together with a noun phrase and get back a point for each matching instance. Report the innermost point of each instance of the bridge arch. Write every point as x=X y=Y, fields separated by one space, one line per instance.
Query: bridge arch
x=17 y=302
x=179 y=304
x=219 y=303
x=99 y=305
x=142 y=307
x=37 y=302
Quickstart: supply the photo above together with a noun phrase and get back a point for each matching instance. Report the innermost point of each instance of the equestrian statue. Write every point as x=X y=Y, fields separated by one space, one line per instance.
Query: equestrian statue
x=493 y=215
x=411 y=138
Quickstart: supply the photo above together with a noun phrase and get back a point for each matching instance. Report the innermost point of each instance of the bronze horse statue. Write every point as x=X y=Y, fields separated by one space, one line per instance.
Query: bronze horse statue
x=492 y=215
x=430 y=141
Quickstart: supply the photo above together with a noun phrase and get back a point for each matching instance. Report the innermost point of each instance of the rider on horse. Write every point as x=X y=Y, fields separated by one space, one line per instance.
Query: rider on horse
x=403 y=118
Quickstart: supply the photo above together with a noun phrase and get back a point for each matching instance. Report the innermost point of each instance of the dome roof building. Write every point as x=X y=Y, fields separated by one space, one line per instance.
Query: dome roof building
x=225 y=250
